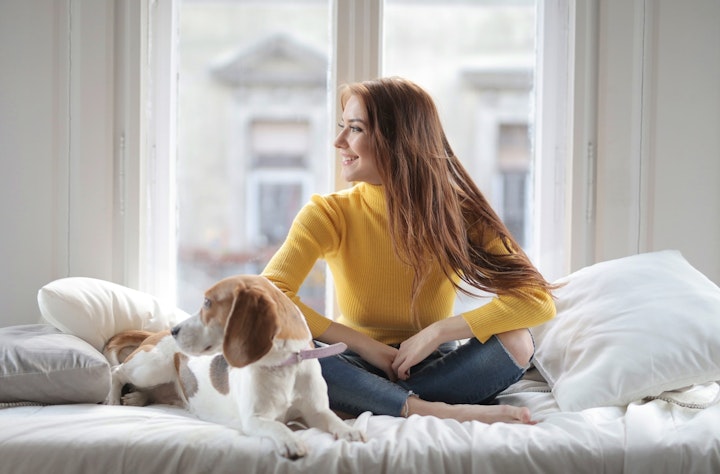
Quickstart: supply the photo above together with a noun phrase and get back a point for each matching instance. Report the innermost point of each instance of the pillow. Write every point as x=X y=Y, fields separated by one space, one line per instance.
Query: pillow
x=630 y=328
x=40 y=364
x=95 y=310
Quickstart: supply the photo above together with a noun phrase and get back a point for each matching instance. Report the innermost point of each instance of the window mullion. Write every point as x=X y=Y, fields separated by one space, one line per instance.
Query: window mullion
x=357 y=55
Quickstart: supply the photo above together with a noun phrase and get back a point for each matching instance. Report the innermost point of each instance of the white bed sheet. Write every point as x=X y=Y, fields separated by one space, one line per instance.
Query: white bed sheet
x=649 y=437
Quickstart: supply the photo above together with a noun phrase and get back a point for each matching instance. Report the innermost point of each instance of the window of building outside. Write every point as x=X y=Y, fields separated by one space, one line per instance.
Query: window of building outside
x=253 y=141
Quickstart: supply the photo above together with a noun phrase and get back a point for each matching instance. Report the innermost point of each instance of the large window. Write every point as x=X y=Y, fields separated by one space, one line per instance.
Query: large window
x=255 y=114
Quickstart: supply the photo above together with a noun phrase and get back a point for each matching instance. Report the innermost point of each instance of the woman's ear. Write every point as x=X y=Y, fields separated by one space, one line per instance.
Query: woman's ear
x=251 y=326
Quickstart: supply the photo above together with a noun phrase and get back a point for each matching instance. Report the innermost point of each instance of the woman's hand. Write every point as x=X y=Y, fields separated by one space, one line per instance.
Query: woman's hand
x=381 y=356
x=378 y=354
x=418 y=347
x=414 y=350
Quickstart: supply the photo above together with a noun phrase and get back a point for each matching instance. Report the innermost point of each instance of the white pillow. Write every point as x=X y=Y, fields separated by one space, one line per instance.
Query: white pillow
x=95 y=310
x=630 y=328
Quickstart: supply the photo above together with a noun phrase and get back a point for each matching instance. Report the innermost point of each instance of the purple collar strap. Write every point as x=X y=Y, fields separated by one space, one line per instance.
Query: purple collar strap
x=315 y=353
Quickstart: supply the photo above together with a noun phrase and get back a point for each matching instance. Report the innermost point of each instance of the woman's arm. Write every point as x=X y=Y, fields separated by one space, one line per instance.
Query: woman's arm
x=416 y=348
x=518 y=342
x=378 y=354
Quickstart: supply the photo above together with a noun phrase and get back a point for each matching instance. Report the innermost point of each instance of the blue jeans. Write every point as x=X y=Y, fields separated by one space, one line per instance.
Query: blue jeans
x=469 y=373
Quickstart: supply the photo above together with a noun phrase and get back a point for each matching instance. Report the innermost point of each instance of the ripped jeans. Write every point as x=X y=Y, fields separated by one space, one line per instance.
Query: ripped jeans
x=469 y=373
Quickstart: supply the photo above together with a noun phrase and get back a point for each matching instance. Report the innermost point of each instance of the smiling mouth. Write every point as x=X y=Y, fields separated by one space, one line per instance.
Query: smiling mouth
x=347 y=160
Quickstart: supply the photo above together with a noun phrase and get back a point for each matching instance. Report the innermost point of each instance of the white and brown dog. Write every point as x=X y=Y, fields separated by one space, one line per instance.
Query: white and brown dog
x=238 y=362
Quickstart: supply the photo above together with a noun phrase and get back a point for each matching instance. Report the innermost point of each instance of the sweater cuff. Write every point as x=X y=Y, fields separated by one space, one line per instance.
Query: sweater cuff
x=507 y=313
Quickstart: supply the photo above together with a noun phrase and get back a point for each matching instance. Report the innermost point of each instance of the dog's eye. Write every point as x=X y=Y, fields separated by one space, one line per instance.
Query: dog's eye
x=207 y=303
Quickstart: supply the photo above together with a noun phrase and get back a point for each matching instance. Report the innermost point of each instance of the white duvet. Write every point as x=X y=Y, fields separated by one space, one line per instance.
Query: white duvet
x=653 y=437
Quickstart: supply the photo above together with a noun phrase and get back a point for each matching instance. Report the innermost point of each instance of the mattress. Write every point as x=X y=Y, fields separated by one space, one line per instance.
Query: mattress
x=655 y=436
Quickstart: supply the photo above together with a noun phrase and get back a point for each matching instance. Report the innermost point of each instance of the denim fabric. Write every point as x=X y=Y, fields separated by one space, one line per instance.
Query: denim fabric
x=471 y=373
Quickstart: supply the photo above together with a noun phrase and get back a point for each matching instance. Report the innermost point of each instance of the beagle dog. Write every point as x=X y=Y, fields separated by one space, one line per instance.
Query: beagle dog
x=239 y=362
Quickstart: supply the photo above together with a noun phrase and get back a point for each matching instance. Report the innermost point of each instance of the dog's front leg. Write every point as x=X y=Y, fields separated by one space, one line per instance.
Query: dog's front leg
x=117 y=381
x=327 y=420
x=315 y=407
x=288 y=444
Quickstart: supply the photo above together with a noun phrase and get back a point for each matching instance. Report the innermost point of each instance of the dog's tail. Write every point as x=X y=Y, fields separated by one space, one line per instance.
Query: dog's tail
x=123 y=344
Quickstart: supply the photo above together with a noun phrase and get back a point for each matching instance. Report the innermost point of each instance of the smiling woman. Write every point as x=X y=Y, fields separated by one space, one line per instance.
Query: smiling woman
x=398 y=244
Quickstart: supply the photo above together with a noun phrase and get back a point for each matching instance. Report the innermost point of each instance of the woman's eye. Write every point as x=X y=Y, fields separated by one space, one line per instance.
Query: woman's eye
x=349 y=127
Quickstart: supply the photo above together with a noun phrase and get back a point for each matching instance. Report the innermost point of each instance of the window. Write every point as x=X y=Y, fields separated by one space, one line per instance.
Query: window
x=255 y=128
x=251 y=134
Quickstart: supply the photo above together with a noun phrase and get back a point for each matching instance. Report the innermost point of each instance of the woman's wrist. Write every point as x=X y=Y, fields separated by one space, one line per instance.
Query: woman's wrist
x=450 y=329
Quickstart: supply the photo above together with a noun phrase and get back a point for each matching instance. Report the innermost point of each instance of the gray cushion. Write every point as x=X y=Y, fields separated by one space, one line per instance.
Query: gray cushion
x=38 y=363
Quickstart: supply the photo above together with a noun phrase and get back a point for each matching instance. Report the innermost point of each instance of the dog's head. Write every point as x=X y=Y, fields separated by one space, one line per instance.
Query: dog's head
x=243 y=316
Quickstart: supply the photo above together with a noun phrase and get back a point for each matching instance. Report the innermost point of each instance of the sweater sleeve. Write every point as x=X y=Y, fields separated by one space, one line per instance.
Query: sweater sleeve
x=504 y=313
x=312 y=234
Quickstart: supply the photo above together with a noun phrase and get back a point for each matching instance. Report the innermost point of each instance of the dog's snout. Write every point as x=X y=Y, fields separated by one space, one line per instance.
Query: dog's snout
x=175 y=331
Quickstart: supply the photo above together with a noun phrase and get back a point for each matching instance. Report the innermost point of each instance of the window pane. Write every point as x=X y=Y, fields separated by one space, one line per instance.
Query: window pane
x=252 y=135
x=476 y=59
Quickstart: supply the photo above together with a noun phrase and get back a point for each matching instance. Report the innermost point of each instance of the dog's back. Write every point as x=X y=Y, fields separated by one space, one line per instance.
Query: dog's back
x=144 y=369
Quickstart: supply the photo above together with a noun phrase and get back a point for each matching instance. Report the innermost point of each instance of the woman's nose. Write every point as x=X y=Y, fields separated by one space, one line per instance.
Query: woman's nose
x=340 y=140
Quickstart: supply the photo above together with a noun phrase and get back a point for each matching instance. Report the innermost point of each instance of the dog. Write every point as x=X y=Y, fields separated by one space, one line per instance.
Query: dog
x=240 y=361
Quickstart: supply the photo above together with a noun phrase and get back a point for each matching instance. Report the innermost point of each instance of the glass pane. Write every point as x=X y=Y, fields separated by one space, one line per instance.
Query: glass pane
x=278 y=204
x=476 y=59
x=252 y=135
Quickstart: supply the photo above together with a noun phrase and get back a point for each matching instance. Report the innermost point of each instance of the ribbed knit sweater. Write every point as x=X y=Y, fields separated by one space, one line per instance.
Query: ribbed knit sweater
x=349 y=230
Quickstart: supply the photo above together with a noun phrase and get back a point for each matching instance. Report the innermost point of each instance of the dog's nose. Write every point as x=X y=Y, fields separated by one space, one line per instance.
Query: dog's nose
x=174 y=331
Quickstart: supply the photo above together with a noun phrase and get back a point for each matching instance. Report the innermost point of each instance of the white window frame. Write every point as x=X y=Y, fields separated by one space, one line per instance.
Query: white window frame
x=565 y=135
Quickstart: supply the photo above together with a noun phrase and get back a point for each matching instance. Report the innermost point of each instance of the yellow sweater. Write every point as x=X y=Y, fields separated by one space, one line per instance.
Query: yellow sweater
x=349 y=230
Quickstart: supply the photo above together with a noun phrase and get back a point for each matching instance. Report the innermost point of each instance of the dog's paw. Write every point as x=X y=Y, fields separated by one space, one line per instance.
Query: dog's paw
x=293 y=448
x=112 y=399
x=135 y=399
x=350 y=434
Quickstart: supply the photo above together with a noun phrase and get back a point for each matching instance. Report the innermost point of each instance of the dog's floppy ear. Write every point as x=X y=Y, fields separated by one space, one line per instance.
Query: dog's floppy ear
x=291 y=321
x=251 y=326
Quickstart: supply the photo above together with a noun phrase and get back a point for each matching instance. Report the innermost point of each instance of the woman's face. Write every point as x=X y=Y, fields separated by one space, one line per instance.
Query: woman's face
x=359 y=162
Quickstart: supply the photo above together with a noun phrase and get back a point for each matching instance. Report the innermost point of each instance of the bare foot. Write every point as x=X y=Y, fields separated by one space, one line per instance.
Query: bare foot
x=483 y=413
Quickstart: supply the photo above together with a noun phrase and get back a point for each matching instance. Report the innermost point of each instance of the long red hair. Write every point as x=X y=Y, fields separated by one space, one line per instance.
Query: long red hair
x=437 y=214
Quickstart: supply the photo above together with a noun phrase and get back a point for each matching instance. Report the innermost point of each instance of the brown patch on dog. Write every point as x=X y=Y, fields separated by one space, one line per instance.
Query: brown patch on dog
x=220 y=374
x=188 y=382
x=165 y=394
x=289 y=319
x=124 y=345
x=121 y=345
x=254 y=312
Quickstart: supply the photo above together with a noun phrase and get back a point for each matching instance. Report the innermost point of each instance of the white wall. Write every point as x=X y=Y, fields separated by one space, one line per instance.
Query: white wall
x=64 y=102
x=32 y=142
x=658 y=136
x=63 y=202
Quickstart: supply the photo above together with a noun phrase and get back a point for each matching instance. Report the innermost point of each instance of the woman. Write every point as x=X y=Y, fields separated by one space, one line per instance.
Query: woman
x=411 y=232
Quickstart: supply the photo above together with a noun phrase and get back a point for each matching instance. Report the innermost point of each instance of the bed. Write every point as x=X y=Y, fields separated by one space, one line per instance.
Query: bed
x=624 y=380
